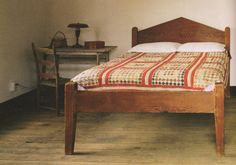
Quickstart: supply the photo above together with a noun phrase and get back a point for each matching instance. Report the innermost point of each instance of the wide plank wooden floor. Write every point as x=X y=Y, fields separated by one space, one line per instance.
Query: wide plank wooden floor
x=118 y=138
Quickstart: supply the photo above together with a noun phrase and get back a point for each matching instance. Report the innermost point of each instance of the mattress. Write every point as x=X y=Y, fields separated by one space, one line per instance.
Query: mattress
x=157 y=71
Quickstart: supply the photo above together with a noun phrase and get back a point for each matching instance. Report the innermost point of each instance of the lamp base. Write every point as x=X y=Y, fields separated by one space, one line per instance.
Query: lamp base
x=78 y=46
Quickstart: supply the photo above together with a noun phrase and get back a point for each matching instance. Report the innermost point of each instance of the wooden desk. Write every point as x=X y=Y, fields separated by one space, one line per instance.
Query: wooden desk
x=70 y=52
x=84 y=57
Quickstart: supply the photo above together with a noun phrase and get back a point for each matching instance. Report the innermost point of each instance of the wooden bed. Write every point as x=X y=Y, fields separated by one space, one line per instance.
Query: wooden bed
x=179 y=30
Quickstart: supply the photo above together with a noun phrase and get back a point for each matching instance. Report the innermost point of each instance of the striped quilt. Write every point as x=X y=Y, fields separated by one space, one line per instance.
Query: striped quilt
x=179 y=70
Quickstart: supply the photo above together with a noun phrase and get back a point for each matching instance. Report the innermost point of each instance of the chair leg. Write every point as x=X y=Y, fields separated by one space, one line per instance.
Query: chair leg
x=38 y=98
x=57 y=101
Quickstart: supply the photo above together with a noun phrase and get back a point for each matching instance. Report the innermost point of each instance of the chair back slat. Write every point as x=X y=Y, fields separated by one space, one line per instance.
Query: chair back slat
x=46 y=63
x=45 y=50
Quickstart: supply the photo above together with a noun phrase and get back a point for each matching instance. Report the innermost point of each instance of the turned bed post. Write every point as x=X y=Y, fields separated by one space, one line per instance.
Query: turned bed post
x=70 y=117
x=219 y=118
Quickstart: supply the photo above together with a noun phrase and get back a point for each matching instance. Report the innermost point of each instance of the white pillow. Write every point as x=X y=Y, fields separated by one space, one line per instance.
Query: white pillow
x=201 y=47
x=156 y=47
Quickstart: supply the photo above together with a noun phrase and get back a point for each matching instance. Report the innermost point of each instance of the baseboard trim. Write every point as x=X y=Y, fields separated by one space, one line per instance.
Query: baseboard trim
x=22 y=103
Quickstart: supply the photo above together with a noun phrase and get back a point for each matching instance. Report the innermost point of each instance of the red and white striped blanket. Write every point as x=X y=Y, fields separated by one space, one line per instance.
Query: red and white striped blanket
x=181 y=70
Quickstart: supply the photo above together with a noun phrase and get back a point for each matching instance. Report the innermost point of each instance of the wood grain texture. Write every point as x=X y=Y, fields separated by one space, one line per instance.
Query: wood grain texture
x=143 y=101
x=137 y=101
x=181 y=30
x=118 y=139
x=227 y=46
x=219 y=119
x=70 y=117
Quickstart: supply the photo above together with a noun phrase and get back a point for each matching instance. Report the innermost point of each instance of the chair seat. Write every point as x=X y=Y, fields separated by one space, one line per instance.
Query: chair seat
x=52 y=83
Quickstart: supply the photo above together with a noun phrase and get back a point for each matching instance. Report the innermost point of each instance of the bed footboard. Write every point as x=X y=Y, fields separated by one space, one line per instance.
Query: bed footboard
x=143 y=101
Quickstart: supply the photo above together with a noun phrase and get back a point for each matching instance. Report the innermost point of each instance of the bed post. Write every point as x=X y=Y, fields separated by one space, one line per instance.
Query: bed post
x=227 y=47
x=227 y=38
x=219 y=118
x=134 y=36
x=70 y=117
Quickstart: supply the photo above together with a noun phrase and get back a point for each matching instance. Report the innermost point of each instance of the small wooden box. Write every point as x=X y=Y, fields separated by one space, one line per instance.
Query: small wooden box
x=94 y=44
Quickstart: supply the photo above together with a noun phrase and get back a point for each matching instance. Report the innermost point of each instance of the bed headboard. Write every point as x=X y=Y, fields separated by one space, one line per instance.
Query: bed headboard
x=181 y=30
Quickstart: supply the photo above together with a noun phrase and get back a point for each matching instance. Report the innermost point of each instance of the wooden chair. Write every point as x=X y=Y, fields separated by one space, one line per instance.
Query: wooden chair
x=47 y=68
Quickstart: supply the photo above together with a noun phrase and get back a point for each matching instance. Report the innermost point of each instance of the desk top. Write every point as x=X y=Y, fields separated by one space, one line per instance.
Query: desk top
x=76 y=51
x=72 y=49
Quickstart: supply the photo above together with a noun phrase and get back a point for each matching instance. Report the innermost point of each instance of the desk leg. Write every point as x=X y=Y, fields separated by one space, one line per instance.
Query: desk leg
x=107 y=56
x=98 y=59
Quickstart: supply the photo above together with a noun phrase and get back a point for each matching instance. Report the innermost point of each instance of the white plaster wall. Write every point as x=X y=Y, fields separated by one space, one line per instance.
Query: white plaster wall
x=22 y=21
x=112 y=20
